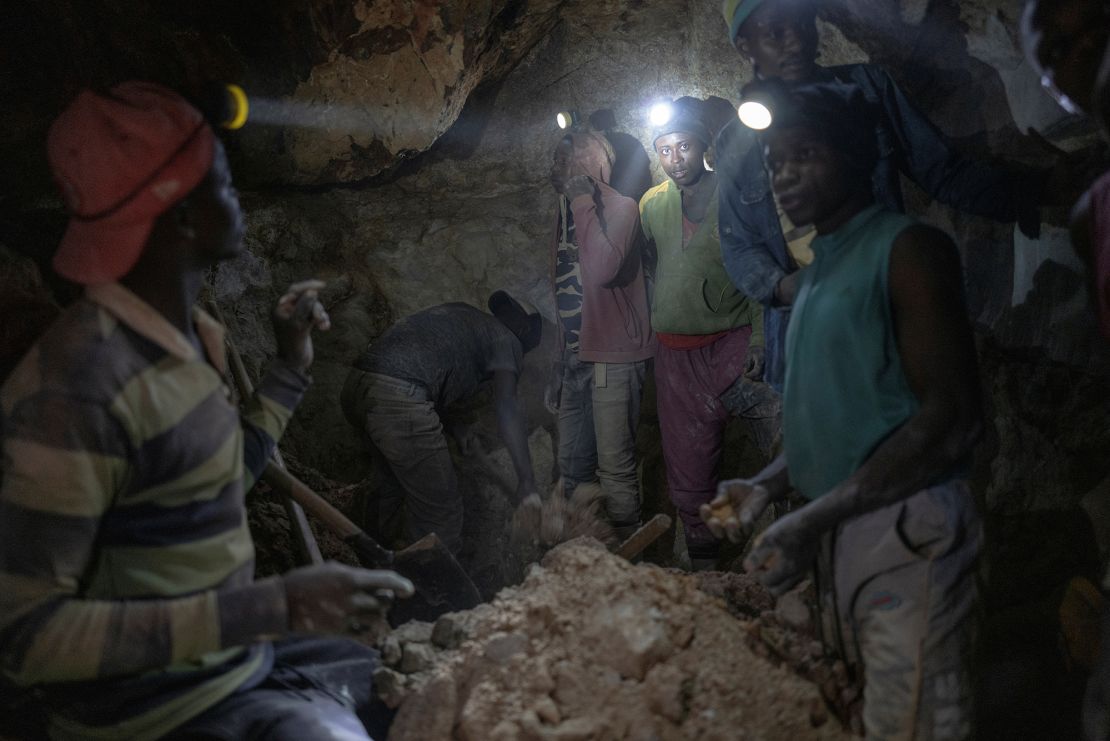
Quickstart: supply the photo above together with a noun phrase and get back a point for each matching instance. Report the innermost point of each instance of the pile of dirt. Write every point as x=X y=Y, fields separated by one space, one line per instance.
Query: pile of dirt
x=591 y=646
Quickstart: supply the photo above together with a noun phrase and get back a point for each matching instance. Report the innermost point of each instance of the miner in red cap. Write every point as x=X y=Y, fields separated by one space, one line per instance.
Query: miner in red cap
x=127 y=595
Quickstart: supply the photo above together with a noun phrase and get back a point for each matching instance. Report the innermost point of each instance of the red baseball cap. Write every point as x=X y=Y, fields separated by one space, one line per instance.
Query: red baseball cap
x=121 y=160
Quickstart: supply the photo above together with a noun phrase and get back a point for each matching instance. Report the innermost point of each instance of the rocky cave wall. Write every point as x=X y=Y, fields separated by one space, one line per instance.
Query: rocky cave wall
x=417 y=174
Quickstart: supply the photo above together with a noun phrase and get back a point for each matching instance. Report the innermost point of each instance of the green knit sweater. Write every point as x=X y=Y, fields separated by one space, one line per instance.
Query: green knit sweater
x=693 y=293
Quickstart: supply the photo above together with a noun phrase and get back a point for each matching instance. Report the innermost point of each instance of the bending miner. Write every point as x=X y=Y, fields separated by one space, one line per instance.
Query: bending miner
x=400 y=386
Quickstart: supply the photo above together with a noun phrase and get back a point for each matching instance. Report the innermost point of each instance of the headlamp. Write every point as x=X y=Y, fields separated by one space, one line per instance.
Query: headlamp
x=757 y=105
x=660 y=113
x=566 y=119
x=238 y=106
x=224 y=105
x=755 y=114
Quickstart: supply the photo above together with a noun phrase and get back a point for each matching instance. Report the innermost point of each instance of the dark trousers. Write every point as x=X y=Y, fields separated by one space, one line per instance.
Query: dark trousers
x=406 y=430
x=319 y=688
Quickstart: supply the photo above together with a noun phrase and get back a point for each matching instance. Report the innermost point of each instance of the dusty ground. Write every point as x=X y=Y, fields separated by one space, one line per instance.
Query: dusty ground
x=593 y=647
x=590 y=646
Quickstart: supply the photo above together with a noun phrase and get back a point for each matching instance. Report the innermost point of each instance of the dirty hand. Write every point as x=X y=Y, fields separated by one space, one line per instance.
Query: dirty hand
x=554 y=389
x=786 y=290
x=783 y=553
x=332 y=598
x=298 y=311
x=736 y=508
x=579 y=185
x=753 y=365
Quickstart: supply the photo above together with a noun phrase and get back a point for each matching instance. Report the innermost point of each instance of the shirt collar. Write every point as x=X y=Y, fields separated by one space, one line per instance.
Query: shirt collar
x=140 y=316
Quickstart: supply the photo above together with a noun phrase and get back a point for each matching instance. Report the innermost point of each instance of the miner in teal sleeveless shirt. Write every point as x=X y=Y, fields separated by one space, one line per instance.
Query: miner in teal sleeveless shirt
x=881 y=409
x=845 y=332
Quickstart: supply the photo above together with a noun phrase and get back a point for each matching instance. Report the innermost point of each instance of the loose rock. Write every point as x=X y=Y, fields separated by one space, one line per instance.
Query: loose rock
x=418 y=657
x=448 y=632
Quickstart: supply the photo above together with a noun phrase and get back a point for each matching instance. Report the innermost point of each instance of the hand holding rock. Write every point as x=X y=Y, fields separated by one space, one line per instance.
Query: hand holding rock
x=332 y=598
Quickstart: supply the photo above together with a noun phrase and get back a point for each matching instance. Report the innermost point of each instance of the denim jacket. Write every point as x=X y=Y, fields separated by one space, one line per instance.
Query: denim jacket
x=752 y=244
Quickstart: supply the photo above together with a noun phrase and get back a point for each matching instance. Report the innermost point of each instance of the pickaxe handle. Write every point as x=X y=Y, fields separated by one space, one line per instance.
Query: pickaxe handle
x=370 y=553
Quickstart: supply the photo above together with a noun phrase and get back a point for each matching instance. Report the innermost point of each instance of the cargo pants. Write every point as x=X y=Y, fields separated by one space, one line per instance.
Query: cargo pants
x=406 y=430
x=897 y=590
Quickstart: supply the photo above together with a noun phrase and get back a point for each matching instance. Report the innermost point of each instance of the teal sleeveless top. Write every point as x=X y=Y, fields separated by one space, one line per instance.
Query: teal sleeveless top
x=845 y=389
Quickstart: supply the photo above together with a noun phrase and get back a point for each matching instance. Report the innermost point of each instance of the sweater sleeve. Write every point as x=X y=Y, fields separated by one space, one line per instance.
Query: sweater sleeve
x=606 y=249
x=65 y=460
x=266 y=415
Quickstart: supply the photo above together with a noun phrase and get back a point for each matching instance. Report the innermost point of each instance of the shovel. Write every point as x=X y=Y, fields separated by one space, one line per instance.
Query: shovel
x=441 y=583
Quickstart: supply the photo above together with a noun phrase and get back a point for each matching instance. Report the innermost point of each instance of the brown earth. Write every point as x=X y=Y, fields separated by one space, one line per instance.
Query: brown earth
x=593 y=647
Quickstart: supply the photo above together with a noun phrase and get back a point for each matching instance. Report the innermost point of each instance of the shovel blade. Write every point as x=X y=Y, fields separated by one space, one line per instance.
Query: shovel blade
x=441 y=583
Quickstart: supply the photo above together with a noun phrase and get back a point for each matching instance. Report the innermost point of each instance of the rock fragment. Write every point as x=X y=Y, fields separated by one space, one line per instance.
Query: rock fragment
x=448 y=632
x=417 y=657
x=389 y=686
x=390 y=649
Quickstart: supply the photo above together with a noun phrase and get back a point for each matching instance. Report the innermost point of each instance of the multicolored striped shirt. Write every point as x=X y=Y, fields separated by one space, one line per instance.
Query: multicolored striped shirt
x=568 y=278
x=126 y=564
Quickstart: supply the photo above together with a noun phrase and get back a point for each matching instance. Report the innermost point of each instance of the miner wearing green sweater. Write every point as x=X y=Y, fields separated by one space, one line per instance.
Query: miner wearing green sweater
x=710 y=354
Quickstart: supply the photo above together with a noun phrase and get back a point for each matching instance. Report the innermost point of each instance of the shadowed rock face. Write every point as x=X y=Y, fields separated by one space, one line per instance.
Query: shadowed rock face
x=371 y=83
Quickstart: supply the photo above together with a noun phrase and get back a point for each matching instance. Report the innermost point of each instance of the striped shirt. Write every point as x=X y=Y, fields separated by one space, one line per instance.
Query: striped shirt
x=126 y=565
x=568 y=279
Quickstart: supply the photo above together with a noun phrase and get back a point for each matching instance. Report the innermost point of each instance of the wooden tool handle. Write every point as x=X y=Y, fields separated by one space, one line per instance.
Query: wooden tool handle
x=303 y=540
x=644 y=537
x=287 y=484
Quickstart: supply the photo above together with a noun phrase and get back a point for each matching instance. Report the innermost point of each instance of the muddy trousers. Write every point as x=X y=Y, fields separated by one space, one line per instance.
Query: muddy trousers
x=406 y=430
x=697 y=391
x=318 y=688
x=599 y=408
x=897 y=590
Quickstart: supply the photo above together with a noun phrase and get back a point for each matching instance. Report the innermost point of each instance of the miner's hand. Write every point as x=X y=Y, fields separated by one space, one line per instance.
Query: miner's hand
x=297 y=313
x=332 y=598
x=753 y=365
x=579 y=185
x=783 y=553
x=736 y=508
x=554 y=388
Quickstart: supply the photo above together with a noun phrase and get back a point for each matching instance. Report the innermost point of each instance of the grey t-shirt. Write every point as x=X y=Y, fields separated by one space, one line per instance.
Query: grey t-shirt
x=448 y=349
